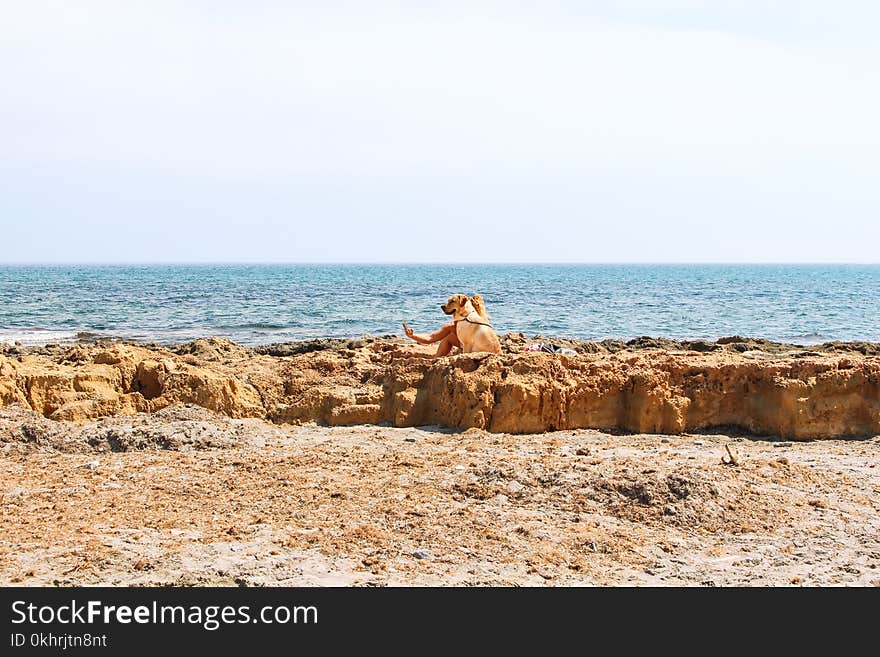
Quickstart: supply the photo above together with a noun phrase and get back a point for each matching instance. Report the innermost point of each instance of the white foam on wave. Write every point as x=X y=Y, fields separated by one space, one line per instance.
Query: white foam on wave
x=807 y=339
x=35 y=336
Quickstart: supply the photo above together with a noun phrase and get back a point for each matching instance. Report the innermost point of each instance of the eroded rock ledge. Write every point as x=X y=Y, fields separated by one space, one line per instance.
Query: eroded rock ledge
x=646 y=385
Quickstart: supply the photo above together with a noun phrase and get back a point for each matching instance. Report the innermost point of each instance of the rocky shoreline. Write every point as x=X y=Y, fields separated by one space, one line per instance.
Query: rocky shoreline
x=645 y=385
x=208 y=463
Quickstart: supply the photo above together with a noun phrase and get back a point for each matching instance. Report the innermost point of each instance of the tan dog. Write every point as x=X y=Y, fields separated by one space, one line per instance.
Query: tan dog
x=472 y=324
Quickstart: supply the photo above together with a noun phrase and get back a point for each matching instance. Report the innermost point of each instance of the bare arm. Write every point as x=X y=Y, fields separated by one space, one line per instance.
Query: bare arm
x=436 y=336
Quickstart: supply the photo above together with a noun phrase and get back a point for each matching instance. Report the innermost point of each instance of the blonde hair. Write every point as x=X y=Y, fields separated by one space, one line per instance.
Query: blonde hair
x=479 y=305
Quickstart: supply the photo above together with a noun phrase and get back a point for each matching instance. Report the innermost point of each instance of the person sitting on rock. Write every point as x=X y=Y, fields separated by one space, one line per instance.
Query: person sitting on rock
x=446 y=335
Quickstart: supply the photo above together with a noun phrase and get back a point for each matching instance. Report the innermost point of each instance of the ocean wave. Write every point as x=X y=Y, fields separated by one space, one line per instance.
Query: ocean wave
x=258 y=325
x=35 y=336
x=807 y=338
x=257 y=304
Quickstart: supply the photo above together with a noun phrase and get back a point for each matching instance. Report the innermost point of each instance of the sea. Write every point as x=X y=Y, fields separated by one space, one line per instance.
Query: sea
x=266 y=303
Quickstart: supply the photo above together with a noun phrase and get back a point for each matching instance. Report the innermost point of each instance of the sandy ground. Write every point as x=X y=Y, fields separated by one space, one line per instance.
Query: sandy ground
x=191 y=498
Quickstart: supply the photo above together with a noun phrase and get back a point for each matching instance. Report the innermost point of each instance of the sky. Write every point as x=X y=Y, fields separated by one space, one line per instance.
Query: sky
x=650 y=131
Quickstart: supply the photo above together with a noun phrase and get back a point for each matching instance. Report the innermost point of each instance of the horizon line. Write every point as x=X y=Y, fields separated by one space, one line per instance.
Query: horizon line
x=208 y=263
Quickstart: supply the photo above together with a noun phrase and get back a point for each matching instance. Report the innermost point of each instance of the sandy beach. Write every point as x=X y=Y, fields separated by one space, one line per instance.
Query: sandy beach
x=364 y=463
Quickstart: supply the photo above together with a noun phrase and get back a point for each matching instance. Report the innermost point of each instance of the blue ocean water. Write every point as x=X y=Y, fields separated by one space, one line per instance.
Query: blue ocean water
x=258 y=304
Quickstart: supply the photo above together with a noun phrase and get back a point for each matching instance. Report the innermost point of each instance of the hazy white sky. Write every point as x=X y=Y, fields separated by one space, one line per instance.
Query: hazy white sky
x=470 y=132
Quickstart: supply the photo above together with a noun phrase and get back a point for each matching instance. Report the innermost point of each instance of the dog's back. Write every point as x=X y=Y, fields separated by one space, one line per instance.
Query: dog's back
x=474 y=332
x=485 y=339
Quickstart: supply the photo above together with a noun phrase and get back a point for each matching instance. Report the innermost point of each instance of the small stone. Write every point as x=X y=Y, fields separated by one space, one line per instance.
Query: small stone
x=784 y=443
x=422 y=554
x=699 y=442
x=91 y=465
x=665 y=440
x=515 y=487
x=583 y=451
x=460 y=467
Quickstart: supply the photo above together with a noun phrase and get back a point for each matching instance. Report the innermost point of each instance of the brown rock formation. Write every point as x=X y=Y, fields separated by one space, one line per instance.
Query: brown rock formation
x=646 y=386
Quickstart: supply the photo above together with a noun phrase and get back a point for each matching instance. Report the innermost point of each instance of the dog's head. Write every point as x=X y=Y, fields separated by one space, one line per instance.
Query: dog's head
x=459 y=306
